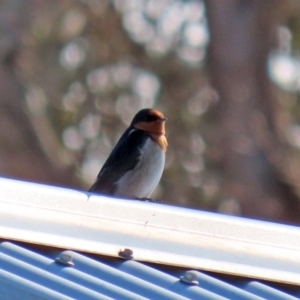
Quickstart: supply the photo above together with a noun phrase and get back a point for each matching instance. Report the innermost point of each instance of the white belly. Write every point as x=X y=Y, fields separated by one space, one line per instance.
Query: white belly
x=141 y=181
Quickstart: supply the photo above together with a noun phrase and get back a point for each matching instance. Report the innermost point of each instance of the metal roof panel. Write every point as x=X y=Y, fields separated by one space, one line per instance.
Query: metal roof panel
x=155 y=233
x=34 y=273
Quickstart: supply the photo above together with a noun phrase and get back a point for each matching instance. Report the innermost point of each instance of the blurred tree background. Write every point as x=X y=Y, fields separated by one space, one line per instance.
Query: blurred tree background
x=225 y=73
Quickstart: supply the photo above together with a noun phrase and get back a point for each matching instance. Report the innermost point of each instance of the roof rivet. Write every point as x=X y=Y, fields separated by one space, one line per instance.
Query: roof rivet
x=126 y=253
x=189 y=277
x=65 y=259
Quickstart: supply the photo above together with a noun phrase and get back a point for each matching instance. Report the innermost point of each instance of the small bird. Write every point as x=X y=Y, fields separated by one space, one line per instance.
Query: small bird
x=135 y=165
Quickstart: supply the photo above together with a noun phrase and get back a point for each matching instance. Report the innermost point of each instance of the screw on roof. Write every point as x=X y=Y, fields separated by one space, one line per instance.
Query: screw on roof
x=65 y=259
x=189 y=277
x=126 y=253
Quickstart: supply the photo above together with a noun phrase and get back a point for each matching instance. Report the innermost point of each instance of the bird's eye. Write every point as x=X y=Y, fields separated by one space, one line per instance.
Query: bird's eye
x=151 y=118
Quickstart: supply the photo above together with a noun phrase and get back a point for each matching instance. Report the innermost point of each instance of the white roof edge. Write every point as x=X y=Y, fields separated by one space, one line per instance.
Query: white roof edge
x=159 y=233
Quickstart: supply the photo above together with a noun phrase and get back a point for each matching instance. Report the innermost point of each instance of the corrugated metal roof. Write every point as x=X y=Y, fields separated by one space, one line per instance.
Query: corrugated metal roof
x=190 y=241
x=27 y=272
x=157 y=233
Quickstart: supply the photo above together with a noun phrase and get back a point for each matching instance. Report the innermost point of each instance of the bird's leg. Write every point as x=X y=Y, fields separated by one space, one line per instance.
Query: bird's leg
x=149 y=200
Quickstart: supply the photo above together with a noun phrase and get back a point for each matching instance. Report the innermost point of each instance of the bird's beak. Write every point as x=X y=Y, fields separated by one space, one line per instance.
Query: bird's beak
x=162 y=120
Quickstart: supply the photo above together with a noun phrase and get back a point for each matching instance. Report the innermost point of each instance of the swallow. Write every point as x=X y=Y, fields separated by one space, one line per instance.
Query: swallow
x=136 y=163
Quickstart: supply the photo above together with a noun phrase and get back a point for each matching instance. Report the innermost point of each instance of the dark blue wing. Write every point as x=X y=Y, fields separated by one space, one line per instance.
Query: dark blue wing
x=124 y=157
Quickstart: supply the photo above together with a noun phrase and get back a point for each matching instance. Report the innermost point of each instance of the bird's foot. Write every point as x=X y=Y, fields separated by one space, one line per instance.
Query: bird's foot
x=149 y=200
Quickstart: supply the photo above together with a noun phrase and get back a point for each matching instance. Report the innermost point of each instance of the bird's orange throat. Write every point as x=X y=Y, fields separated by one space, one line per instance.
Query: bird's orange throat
x=161 y=141
x=156 y=129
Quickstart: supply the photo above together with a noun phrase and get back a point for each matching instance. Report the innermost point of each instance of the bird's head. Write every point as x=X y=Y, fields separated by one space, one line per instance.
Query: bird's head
x=150 y=120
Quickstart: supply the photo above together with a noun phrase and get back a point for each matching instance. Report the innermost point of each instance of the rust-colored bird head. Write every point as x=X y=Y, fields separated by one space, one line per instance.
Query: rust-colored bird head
x=150 y=120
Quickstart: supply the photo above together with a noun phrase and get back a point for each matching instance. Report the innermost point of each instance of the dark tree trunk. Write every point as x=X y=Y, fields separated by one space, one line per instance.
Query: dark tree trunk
x=242 y=35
